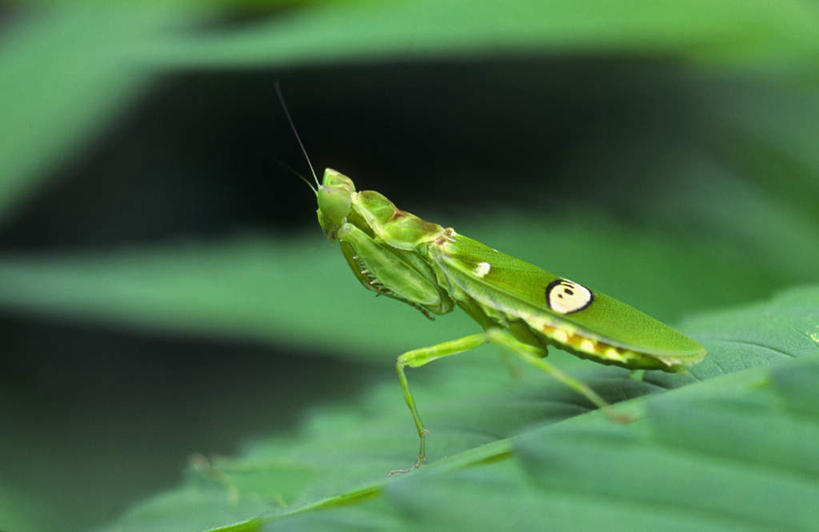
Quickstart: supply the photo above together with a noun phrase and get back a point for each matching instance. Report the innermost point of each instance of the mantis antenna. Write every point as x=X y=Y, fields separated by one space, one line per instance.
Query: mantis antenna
x=290 y=169
x=295 y=132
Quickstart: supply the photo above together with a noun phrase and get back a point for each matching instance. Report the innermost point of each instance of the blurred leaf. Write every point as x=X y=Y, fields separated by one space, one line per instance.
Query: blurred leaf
x=67 y=70
x=195 y=508
x=63 y=73
x=21 y=513
x=302 y=293
x=730 y=452
x=745 y=32
x=766 y=131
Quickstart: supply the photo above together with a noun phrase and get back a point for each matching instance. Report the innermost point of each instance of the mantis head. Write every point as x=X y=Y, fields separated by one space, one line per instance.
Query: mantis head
x=335 y=197
x=380 y=216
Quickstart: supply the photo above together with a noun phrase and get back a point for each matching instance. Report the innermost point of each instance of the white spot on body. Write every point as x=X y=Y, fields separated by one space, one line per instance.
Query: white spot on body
x=565 y=296
x=482 y=269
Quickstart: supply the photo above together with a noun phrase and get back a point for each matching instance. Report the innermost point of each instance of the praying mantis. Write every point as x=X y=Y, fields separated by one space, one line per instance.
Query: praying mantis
x=521 y=308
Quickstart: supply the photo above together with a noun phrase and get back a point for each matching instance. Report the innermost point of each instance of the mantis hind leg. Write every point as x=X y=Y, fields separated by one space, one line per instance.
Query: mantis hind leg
x=511 y=364
x=534 y=356
x=530 y=354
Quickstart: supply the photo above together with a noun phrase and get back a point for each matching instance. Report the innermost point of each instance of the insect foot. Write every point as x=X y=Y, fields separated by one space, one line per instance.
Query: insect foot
x=421 y=457
x=415 y=466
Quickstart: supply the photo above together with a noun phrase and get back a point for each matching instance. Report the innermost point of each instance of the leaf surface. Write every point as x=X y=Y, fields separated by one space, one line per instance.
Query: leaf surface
x=729 y=452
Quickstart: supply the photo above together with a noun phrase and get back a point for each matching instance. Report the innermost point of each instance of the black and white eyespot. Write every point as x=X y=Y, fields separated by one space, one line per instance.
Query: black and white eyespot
x=564 y=296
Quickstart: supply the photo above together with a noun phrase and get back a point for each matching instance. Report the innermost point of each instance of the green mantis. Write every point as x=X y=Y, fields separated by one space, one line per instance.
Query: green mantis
x=521 y=308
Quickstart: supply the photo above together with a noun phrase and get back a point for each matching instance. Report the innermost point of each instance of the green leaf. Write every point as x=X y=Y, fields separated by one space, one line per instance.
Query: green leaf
x=732 y=452
x=754 y=335
x=720 y=457
x=270 y=290
x=65 y=72
x=69 y=70
x=23 y=513
x=735 y=32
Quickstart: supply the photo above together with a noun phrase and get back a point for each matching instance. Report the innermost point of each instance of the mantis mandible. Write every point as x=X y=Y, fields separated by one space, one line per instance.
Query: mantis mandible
x=521 y=308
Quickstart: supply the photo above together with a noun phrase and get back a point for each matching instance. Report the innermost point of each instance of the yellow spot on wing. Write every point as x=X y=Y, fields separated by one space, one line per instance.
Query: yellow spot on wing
x=611 y=352
x=561 y=336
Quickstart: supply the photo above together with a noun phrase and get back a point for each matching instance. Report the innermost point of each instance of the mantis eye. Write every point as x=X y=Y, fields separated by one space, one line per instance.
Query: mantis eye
x=564 y=296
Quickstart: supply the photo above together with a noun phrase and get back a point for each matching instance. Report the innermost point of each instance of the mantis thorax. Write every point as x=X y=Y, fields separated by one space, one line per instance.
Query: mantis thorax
x=371 y=212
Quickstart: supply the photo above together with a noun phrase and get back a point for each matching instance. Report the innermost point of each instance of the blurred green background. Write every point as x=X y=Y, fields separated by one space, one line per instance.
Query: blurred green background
x=166 y=292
